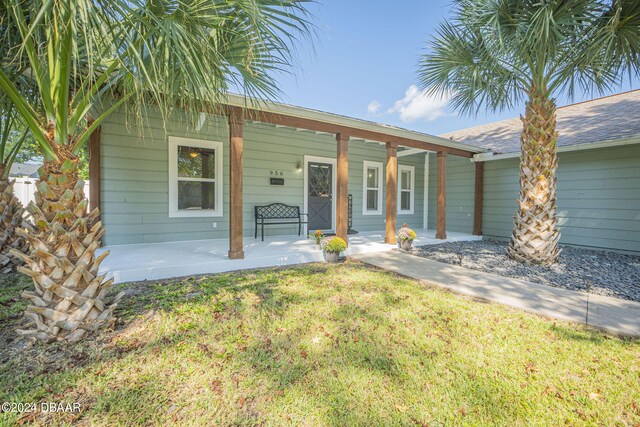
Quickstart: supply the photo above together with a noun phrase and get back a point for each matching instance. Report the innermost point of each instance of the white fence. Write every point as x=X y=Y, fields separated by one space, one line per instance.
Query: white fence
x=25 y=188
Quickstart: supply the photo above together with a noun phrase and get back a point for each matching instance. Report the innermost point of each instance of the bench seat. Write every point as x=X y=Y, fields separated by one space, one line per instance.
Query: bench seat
x=277 y=214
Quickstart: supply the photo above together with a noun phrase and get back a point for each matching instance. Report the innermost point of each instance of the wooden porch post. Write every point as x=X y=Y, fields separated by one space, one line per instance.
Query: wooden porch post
x=392 y=193
x=94 y=169
x=479 y=199
x=236 y=245
x=342 y=186
x=441 y=215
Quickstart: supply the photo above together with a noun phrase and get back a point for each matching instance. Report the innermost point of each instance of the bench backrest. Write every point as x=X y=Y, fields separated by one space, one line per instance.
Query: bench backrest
x=276 y=211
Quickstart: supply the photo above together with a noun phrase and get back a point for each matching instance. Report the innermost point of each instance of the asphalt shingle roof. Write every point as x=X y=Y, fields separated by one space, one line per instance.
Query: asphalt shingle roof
x=24 y=169
x=602 y=119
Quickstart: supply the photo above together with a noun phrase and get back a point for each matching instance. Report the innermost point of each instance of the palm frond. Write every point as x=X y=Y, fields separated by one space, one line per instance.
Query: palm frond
x=462 y=64
x=494 y=51
x=86 y=54
x=13 y=132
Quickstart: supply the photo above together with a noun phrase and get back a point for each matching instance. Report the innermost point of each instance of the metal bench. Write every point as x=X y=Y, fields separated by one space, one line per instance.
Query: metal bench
x=278 y=214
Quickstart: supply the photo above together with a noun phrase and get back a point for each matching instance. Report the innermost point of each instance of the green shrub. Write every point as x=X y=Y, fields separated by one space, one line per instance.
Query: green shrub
x=335 y=244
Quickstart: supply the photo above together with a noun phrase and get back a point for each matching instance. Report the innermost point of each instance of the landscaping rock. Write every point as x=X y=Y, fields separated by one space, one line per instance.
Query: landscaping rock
x=132 y=291
x=597 y=272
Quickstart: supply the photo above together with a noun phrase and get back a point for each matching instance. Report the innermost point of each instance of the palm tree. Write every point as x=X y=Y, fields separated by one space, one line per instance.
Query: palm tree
x=12 y=137
x=11 y=210
x=496 y=53
x=91 y=57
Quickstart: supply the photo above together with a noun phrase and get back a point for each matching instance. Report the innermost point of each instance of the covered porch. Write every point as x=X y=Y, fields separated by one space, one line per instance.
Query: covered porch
x=251 y=144
x=155 y=261
x=397 y=144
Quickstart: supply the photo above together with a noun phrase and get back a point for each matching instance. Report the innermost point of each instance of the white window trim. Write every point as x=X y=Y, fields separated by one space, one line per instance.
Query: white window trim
x=366 y=164
x=173 y=144
x=411 y=169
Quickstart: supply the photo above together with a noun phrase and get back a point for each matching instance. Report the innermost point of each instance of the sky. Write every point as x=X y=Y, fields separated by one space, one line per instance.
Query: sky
x=363 y=63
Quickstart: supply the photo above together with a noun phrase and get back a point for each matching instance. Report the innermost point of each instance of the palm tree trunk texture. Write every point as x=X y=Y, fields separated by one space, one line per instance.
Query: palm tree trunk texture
x=69 y=297
x=535 y=235
x=11 y=219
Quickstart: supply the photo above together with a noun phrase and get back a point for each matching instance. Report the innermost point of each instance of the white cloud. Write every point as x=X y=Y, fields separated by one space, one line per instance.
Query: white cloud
x=417 y=104
x=374 y=107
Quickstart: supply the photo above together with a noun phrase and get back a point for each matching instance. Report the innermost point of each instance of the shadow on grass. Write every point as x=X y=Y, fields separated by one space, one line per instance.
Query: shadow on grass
x=142 y=301
x=262 y=324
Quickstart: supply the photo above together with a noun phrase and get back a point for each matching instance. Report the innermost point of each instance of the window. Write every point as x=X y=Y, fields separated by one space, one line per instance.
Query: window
x=195 y=177
x=406 y=185
x=372 y=188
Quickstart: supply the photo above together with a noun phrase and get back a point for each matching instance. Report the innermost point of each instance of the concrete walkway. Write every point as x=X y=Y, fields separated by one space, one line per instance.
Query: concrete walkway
x=619 y=317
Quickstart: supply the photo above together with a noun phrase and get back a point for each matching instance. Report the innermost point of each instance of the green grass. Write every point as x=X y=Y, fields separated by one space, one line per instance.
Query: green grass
x=11 y=305
x=326 y=345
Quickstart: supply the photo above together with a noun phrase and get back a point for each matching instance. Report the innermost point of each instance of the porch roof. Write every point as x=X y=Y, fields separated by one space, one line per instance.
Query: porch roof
x=320 y=121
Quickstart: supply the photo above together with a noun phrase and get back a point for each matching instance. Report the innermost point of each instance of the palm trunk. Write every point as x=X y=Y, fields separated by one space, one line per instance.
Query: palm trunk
x=69 y=295
x=11 y=218
x=535 y=234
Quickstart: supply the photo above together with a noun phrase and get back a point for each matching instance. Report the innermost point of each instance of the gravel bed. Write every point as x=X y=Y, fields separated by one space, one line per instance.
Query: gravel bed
x=597 y=272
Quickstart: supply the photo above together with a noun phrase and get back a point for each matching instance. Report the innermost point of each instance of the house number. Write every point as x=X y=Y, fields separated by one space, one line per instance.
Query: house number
x=276 y=173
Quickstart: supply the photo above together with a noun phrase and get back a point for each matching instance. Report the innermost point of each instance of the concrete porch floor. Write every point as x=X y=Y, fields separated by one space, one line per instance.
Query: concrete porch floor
x=152 y=261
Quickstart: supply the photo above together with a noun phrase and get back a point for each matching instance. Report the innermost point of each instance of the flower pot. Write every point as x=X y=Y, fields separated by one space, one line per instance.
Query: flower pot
x=405 y=245
x=318 y=247
x=331 y=256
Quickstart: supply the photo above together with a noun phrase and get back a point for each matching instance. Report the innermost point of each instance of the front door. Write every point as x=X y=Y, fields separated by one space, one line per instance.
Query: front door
x=320 y=196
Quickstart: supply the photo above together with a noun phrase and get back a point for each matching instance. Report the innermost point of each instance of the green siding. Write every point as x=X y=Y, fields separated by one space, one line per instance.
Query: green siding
x=598 y=198
x=134 y=172
x=134 y=187
x=598 y=190
x=460 y=193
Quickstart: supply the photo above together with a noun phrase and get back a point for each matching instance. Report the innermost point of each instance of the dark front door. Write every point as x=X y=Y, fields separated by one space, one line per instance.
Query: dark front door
x=320 y=197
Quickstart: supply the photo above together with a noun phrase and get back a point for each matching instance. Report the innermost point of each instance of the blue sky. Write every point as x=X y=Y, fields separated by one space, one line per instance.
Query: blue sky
x=366 y=54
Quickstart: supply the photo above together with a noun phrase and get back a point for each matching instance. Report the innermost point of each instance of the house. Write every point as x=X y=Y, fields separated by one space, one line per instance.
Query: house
x=169 y=182
x=24 y=170
x=171 y=187
x=598 y=173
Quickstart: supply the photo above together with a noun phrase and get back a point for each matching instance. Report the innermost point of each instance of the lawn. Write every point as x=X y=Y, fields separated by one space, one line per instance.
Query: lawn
x=321 y=344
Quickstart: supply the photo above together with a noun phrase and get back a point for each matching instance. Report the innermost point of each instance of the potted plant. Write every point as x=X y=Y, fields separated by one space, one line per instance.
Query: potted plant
x=331 y=248
x=318 y=236
x=406 y=237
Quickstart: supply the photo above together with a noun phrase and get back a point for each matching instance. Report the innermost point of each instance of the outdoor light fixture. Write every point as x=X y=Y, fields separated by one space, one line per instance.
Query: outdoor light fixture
x=299 y=165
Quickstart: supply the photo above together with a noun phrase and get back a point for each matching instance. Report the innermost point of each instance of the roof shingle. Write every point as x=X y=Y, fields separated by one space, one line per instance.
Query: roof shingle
x=602 y=119
x=24 y=169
